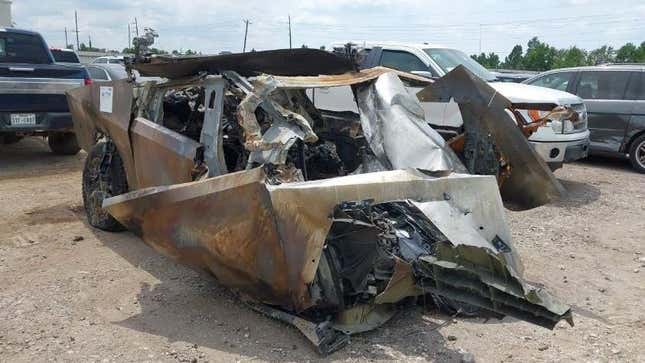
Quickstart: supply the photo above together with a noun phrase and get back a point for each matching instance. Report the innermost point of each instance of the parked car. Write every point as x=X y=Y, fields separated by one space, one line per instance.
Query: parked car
x=615 y=98
x=109 y=60
x=512 y=75
x=65 y=55
x=107 y=72
x=32 y=91
x=557 y=142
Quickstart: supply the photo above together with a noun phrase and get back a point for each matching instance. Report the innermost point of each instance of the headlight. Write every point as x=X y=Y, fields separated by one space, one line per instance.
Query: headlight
x=556 y=125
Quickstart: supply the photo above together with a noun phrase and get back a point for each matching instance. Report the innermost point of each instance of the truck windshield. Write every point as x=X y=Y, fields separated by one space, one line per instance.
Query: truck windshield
x=23 y=48
x=448 y=59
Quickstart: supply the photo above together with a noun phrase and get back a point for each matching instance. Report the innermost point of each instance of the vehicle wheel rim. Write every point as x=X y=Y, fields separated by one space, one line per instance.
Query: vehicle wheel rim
x=640 y=154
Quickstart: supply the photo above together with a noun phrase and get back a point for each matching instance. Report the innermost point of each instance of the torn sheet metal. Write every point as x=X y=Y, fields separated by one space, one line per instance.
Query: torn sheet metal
x=283 y=62
x=280 y=268
x=530 y=182
x=85 y=104
x=335 y=253
x=389 y=114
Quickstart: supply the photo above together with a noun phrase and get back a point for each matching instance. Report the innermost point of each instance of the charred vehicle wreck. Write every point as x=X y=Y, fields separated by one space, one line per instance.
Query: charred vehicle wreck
x=327 y=221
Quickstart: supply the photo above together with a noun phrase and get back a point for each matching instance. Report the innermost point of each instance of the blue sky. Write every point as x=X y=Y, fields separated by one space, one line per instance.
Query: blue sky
x=215 y=25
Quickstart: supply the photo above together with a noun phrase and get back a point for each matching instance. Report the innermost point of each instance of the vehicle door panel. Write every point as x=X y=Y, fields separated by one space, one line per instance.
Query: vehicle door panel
x=636 y=92
x=609 y=114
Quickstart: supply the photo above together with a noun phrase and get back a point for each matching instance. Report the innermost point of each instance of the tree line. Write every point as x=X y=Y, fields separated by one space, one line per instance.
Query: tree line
x=540 y=56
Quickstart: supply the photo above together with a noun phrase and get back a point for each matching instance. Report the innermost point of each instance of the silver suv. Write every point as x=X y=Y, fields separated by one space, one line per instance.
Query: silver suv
x=615 y=98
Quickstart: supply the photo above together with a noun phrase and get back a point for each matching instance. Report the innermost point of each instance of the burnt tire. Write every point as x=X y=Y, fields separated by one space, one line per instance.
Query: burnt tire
x=63 y=143
x=103 y=177
x=637 y=154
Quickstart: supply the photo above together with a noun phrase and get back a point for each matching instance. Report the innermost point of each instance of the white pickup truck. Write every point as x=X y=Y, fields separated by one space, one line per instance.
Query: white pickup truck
x=557 y=142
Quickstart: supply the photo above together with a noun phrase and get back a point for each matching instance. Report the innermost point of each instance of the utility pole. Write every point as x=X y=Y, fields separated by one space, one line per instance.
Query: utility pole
x=66 y=41
x=136 y=27
x=246 y=32
x=480 y=38
x=89 y=38
x=78 y=44
x=129 y=36
x=289 y=31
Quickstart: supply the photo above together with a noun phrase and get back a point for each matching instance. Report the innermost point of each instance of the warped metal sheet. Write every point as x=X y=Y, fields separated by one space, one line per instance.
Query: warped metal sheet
x=162 y=156
x=531 y=183
x=389 y=114
x=284 y=62
x=85 y=106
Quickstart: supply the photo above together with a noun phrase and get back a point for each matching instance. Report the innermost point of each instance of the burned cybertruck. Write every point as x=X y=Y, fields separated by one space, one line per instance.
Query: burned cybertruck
x=328 y=221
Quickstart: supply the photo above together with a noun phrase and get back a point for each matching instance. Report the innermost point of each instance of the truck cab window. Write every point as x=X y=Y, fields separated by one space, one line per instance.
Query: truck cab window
x=403 y=61
x=559 y=81
x=23 y=48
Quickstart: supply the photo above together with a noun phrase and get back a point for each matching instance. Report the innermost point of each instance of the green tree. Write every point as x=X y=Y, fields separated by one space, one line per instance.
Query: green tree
x=515 y=59
x=572 y=57
x=539 y=56
x=490 y=60
x=604 y=54
x=627 y=53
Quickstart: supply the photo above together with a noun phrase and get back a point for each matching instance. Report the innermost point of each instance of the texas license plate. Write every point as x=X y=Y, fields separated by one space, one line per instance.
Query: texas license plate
x=23 y=119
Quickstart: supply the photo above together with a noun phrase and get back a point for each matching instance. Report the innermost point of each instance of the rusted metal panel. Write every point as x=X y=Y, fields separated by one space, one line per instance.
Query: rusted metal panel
x=85 y=106
x=161 y=156
x=345 y=79
x=286 y=62
x=224 y=224
x=530 y=183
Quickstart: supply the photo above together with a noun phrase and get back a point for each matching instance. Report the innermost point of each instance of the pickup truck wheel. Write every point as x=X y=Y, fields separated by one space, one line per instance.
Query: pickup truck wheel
x=637 y=154
x=103 y=177
x=63 y=143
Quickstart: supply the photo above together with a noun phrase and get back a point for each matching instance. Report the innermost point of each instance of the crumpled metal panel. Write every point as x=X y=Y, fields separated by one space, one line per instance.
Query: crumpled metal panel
x=161 y=156
x=285 y=62
x=530 y=183
x=85 y=106
x=345 y=79
x=173 y=219
x=224 y=224
x=393 y=123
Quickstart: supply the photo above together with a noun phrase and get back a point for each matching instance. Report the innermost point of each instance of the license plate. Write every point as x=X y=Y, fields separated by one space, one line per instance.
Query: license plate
x=23 y=119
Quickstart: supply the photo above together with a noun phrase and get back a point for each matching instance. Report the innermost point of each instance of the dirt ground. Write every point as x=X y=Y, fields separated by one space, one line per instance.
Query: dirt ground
x=71 y=293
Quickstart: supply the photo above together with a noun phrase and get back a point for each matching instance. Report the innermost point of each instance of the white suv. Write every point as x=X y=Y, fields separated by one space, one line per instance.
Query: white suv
x=557 y=142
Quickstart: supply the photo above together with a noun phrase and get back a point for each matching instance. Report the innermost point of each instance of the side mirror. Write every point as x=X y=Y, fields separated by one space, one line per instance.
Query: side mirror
x=425 y=74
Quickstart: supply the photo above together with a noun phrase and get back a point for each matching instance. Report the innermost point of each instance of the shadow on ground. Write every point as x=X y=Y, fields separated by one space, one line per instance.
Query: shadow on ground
x=578 y=194
x=25 y=159
x=189 y=306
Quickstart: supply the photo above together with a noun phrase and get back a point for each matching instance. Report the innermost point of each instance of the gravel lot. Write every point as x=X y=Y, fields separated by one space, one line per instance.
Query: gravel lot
x=72 y=293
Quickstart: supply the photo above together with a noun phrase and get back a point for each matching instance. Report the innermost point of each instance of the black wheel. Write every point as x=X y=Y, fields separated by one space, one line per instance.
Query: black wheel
x=63 y=143
x=103 y=177
x=637 y=154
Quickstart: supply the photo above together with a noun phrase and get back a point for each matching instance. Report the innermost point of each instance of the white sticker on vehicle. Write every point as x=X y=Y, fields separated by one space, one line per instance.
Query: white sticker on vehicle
x=105 y=99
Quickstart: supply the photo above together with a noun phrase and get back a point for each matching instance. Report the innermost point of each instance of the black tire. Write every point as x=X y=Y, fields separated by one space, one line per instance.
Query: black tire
x=63 y=143
x=98 y=185
x=637 y=154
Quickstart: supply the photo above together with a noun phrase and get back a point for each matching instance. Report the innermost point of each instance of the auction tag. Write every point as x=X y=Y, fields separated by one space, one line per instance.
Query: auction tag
x=105 y=99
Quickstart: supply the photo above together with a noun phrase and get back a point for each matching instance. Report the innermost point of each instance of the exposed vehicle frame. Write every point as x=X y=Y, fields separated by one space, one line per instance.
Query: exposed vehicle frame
x=327 y=222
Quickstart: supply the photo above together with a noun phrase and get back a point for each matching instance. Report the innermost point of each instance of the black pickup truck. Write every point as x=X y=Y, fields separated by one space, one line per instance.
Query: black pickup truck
x=32 y=91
